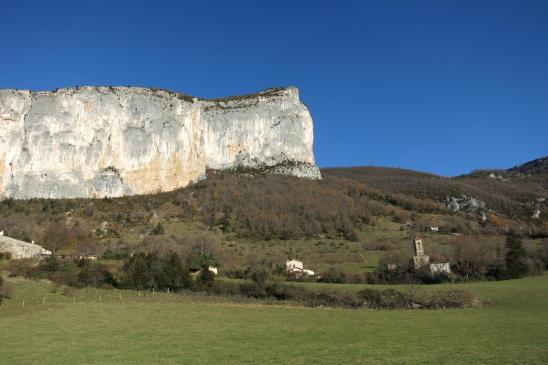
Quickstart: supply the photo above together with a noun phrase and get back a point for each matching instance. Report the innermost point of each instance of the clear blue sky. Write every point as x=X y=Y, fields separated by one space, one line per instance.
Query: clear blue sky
x=438 y=86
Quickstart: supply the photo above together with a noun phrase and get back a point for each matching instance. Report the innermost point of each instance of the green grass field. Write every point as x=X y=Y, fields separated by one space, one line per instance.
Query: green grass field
x=94 y=326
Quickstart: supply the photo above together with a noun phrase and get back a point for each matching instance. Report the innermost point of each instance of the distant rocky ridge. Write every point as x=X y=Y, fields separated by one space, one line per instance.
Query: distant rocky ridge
x=537 y=166
x=93 y=142
x=534 y=167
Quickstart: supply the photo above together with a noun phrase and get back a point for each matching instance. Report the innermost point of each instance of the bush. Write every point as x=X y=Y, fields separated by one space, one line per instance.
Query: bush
x=452 y=299
x=21 y=267
x=1 y=290
x=158 y=230
x=331 y=276
x=115 y=255
x=220 y=287
x=371 y=297
x=252 y=290
x=5 y=293
x=147 y=271
x=340 y=277
x=94 y=274
x=391 y=298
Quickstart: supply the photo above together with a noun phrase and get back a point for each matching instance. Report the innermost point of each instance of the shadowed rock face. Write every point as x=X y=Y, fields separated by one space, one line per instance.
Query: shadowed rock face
x=93 y=142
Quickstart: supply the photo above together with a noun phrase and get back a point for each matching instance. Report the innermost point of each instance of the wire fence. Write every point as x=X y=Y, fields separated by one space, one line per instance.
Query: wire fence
x=48 y=297
x=25 y=303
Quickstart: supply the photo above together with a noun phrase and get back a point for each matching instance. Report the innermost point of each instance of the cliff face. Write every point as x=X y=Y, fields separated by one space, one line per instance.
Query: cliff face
x=113 y=141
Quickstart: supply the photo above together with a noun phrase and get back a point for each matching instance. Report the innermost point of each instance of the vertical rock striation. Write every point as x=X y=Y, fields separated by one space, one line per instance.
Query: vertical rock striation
x=114 y=141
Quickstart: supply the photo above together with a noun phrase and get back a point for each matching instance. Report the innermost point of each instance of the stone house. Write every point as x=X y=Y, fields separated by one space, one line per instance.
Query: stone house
x=22 y=250
x=439 y=267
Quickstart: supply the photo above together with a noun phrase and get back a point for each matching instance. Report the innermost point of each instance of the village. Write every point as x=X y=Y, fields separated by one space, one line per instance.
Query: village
x=14 y=249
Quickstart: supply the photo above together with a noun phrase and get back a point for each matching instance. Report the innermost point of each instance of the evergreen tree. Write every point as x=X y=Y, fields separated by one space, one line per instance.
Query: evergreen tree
x=515 y=255
x=205 y=278
x=175 y=275
x=136 y=272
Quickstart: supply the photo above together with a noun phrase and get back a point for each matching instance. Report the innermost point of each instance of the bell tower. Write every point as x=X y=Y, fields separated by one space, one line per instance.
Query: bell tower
x=420 y=259
x=417 y=245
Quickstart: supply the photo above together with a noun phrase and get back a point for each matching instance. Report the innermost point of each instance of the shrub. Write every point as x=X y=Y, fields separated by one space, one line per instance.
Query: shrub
x=147 y=271
x=115 y=255
x=21 y=267
x=4 y=292
x=326 y=298
x=252 y=290
x=1 y=290
x=331 y=276
x=452 y=299
x=391 y=298
x=94 y=274
x=371 y=297
x=158 y=230
x=225 y=288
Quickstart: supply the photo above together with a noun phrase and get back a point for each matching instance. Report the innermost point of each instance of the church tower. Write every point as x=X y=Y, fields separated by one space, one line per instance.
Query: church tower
x=420 y=259
x=417 y=245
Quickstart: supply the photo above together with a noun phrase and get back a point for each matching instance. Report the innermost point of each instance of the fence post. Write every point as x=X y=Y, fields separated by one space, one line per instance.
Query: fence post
x=23 y=304
x=43 y=300
x=100 y=298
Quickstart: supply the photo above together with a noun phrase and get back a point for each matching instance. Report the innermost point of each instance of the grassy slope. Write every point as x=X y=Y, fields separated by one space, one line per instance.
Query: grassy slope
x=172 y=329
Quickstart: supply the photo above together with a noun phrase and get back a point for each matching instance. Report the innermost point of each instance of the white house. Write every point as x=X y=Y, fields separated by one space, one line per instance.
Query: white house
x=297 y=267
x=294 y=265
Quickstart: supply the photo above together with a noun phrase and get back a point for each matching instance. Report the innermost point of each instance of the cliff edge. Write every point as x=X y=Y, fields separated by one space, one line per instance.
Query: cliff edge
x=93 y=142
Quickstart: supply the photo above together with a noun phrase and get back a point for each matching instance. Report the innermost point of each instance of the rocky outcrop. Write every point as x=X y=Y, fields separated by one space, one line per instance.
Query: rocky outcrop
x=114 y=141
x=467 y=204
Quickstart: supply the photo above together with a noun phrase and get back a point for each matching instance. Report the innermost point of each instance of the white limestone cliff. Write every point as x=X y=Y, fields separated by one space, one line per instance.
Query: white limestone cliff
x=93 y=142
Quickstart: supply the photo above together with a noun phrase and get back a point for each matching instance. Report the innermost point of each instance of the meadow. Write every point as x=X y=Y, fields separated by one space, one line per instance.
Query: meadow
x=59 y=325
